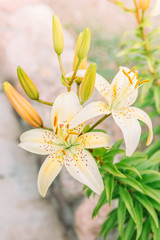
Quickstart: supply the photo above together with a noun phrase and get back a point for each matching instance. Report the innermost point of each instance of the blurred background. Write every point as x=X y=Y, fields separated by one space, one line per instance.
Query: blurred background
x=26 y=40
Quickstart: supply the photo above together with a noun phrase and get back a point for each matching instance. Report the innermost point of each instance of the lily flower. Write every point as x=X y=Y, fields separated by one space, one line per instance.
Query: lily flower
x=119 y=96
x=66 y=146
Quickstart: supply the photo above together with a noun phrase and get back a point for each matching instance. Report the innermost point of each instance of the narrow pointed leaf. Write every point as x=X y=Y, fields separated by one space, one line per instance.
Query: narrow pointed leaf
x=102 y=200
x=109 y=223
x=153 y=193
x=121 y=215
x=139 y=219
x=148 y=205
x=133 y=183
x=128 y=201
x=109 y=186
x=125 y=166
x=155 y=230
x=111 y=168
x=146 y=231
x=129 y=230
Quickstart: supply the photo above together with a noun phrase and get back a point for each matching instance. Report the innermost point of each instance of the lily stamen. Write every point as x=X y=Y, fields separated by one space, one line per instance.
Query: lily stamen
x=74 y=133
x=55 y=121
x=144 y=81
x=66 y=138
x=64 y=152
x=129 y=78
x=131 y=70
x=138 y=82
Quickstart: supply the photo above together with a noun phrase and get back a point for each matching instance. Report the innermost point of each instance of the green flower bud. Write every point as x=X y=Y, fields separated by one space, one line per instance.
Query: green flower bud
x=27 y=84
x=58 y=38
x=88 y=82
x=84 y=44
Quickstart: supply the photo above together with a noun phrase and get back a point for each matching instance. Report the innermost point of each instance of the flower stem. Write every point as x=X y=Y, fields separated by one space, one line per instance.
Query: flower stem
x=78 y=88
x=99 y=121
x=44 y=102
x=75 y=71
x=62 y=70
x=50 y=129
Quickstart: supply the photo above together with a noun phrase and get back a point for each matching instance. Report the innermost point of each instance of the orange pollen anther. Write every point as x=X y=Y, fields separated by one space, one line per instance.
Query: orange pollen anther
x=75 y=133
x=55 y=120
x=61 y=125
x=66 y=137
x=131 y=70
x=129 y=78
x=138 y=82
x=64 y=152
x=144 y=81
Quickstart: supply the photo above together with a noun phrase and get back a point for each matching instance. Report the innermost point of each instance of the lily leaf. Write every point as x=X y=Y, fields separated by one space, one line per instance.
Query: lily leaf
x=121 y=215
x=109 y=186
x=111 y=168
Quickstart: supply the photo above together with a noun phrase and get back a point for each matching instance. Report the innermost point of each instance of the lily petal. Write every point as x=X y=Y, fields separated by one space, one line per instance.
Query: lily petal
x=82 y=166
x=92 y=110
x=94 y=140
x=101 y=85
x=64 y=109
x=40 y=141
x=124 y=91
x=48 y=171
x=130 y=128
x=141 y=115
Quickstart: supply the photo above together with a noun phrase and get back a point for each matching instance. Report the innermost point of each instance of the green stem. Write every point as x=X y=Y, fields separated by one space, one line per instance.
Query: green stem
x=62 y=70
x=78 y=89
x=75 y=72
x=99 y=121
x=44 y=102
x=50 y=129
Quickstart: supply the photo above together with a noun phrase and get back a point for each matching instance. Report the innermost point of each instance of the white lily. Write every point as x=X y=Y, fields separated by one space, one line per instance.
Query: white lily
x=119 y=96
x=66 y=146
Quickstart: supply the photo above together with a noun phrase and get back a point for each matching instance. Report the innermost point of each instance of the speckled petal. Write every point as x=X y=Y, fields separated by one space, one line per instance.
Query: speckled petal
x=40 y=141
x=92 y=110
x=64 y=109
x=130 y=128
x=141 y=115
x=93 y=140
x=48 y=171
x=82 y=166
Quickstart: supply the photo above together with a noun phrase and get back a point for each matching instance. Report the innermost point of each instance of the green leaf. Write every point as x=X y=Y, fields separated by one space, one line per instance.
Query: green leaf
x=121 y=215
x=153 y=148
x=109 y=186
x=139 y=218
x=156 y=90
x=109 y=223
x=155 y=204
x=149 y=175
x=125 y=166
x=153 y=193
x=129 y=230
x=155 y=230
x=148 y=205
x=153 y=160
x=133 y=183
x=117 y=144
x=135 y=159
x=128 y=201
x=111 y=168
x=99 y=151
x=102 y=200
x=109 y=156
x=146 y=231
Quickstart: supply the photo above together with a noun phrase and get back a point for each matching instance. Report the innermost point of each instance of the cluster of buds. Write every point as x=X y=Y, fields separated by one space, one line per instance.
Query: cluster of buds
x=86 y=83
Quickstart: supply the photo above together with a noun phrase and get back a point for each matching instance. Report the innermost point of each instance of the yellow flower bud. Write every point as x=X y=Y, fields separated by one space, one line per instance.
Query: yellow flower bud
x=88 y=82
x=58 y=38
x=27 y=84
x=84 y=44
x=22 y=106
x=144 y=4
x=75 y=61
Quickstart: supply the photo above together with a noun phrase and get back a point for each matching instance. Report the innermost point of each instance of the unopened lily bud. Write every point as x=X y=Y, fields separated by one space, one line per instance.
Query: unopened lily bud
x=144 y=4
x=88 y=82
x=84 y=44
x=22 y=106
x=75 y=61
x=58 y=38
x=27 y=84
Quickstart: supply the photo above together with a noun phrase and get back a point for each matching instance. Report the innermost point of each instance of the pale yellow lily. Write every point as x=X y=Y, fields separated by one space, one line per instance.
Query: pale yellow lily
x=66 y=146
x=119 y=96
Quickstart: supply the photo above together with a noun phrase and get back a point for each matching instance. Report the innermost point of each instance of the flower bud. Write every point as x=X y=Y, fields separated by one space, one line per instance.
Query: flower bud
x=84 y=44
x=75 y=61
x=88 y=82
x=27 y=84
x=58 y=38
x=22 y=106
x=144 y=4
